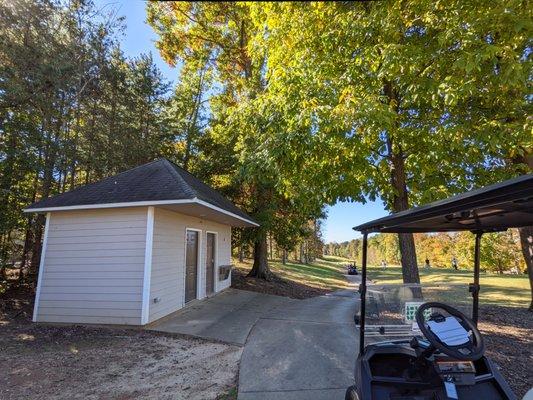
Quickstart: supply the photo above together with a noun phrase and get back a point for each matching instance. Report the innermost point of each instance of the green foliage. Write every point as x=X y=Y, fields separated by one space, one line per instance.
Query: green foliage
x=407 y=101
x=443 y=85
x=187 y=115
x=500 y=252
x=283 y=106
x=349 y=250
x=244 y=150
x=73 y=109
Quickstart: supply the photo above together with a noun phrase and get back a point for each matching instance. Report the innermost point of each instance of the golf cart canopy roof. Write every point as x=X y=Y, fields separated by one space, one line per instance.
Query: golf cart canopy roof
x=507 y=204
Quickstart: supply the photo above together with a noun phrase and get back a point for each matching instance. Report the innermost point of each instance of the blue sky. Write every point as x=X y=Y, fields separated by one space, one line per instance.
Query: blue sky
x=343 y=216
x=139 y=38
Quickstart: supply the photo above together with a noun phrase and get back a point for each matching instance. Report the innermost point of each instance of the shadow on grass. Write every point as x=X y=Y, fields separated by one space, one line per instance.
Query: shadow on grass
x=278 y=286
x=294 y=279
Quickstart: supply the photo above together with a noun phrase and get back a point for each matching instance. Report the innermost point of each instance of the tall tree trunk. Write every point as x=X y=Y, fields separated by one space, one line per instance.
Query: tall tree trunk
x=28 y=237
x=270 y=254
x=284 y=257
x=192 y=128
x=3 y=261
x=48 y=176
x=260 y=269
x=401 y=203
x=241 y=253
x=36 y=248
x=526 y=240
x=400 y=200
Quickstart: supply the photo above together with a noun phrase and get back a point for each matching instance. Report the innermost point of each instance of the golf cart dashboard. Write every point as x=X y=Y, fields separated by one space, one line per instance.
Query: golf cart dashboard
x=384 y=365
x=460 y=372
x=393 y=377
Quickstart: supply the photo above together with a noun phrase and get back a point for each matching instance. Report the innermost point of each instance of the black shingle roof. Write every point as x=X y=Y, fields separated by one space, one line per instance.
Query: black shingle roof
x=155 y=181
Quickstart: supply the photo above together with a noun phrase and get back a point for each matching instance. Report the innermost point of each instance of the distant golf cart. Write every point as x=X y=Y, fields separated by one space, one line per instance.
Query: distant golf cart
x=352 y=269
x=421 y=347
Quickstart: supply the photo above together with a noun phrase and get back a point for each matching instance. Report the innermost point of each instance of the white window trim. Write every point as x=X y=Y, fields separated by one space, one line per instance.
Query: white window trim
x=194 y=200
x=145 y=313
x=215 y=268
x=41 y=268
x=198 y=265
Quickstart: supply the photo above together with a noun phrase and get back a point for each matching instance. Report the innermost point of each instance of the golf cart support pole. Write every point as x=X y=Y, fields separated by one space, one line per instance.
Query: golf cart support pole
x=474 y=287
x=362 y=294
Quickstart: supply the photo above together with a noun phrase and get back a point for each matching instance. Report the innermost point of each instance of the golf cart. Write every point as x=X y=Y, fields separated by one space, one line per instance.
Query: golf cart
x=422 y=339
x=352 y=269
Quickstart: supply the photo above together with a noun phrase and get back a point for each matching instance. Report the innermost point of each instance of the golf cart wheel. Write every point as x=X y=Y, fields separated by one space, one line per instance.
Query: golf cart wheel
x=351 y=393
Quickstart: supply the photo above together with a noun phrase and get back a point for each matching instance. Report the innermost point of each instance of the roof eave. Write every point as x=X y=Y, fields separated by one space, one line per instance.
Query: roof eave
x=195 y=200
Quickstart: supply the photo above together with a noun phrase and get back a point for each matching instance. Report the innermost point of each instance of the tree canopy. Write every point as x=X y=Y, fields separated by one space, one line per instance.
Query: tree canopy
x=246 y=125
x=285 y=107
x=409 y=101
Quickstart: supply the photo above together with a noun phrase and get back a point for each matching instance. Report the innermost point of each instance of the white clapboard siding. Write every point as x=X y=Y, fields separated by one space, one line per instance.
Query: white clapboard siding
x=167 y=282
x=91 y=226
x=67 y=319
x=95 y=259
x=65 y=252
x=93 y=267
x=130 y=267
x=81 y=245
x=101 y=239
x=132 y=297
x=49 y=280
x=92 y=304
x=53 y=290
x=106 y=275
x=97 y=233
x=118 y=312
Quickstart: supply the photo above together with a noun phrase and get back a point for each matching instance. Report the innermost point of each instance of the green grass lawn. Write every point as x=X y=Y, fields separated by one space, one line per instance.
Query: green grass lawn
x=507 y=290
x=326 y=273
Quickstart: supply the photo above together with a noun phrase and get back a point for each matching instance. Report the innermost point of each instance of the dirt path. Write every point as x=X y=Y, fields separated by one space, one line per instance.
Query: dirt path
x=40 y=362
x=79 y=362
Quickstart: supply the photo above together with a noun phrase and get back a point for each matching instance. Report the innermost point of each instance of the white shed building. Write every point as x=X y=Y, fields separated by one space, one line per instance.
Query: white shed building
x=134 y=247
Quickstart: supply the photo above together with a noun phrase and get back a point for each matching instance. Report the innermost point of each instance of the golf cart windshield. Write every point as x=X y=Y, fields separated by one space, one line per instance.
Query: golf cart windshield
x=391 y=308
x=493 y=208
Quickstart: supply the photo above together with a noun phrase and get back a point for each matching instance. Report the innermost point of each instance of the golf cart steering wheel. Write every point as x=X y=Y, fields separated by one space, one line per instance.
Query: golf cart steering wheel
x=472 y=350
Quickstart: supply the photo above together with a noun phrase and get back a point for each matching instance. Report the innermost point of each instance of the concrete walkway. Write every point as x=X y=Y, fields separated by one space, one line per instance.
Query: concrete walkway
x=228 y=316
x=305 y=350
x=293 y=349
